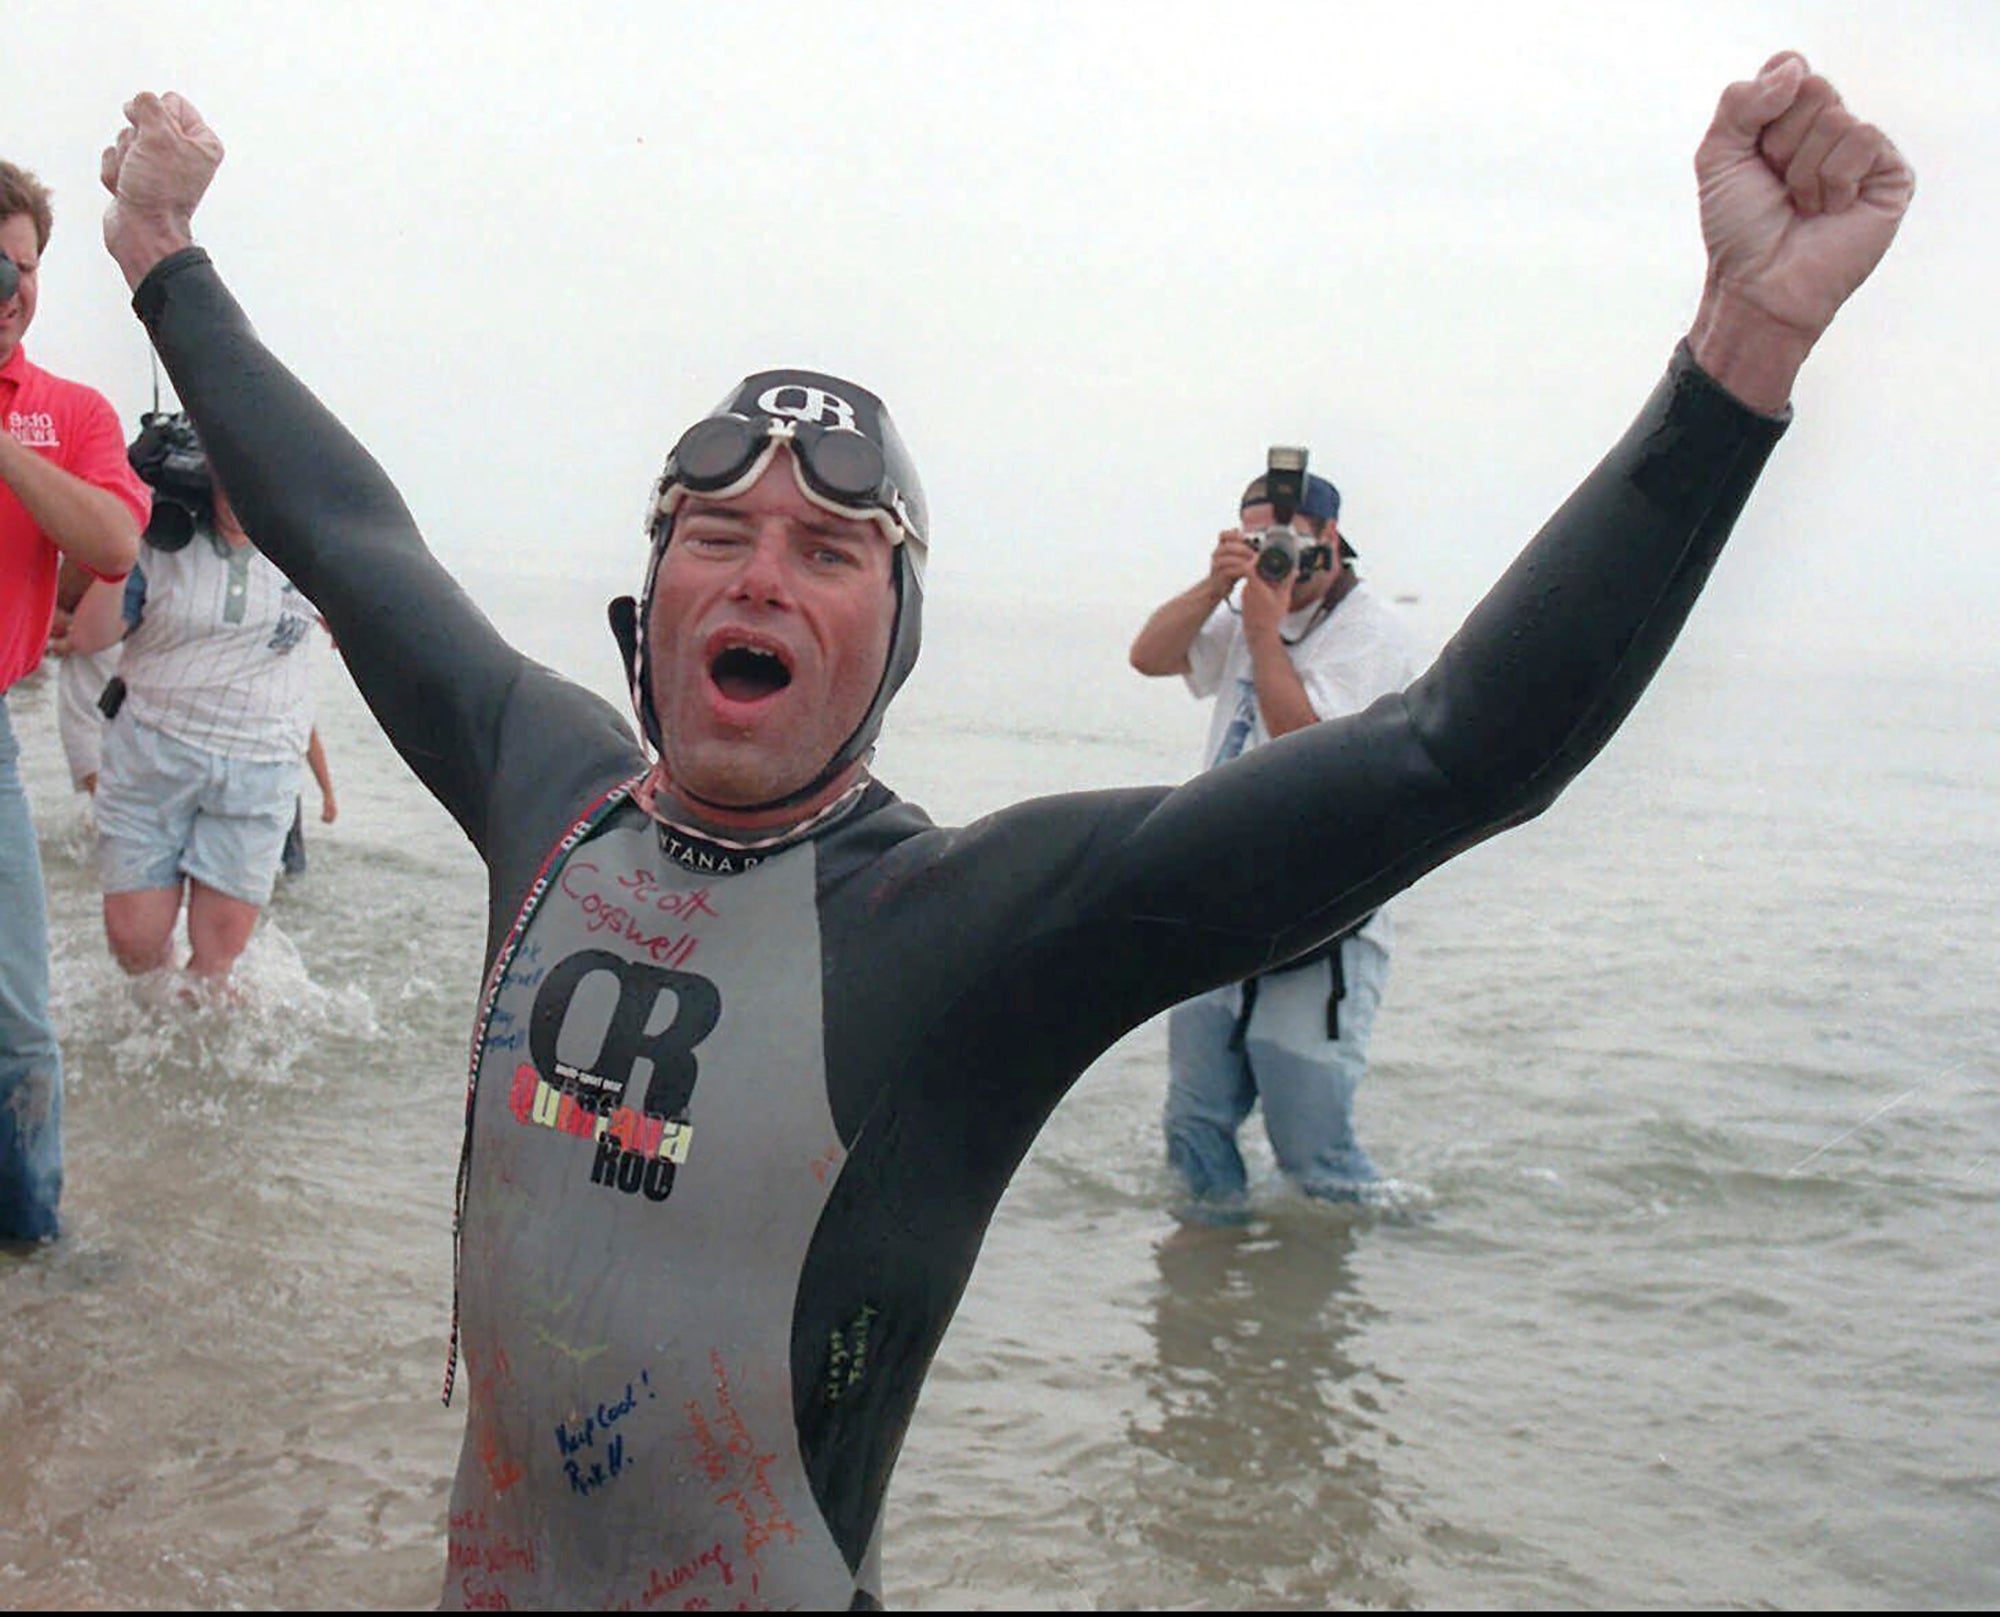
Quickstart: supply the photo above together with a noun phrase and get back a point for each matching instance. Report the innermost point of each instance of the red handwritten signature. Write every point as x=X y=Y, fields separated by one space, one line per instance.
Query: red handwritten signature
x=604 y=914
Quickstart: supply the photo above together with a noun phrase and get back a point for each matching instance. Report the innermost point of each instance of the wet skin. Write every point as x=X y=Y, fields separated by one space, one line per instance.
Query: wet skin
x=770 y=627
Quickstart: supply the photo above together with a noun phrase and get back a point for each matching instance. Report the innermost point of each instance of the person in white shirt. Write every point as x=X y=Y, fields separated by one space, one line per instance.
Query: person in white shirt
x=1310 y=641
x=203 y=756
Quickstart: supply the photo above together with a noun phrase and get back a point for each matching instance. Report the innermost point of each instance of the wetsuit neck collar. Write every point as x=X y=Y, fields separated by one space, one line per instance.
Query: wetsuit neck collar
x=705 y=845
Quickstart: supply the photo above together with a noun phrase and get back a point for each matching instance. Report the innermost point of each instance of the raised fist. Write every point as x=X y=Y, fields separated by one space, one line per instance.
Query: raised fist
x=156 y=172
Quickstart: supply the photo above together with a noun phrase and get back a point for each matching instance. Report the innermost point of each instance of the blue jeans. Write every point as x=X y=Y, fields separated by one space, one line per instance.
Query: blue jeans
x=1285 y=1060
x=30 y=1063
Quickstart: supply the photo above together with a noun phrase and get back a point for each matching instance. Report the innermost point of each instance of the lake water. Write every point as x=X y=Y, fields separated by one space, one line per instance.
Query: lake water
x=1687 y=1297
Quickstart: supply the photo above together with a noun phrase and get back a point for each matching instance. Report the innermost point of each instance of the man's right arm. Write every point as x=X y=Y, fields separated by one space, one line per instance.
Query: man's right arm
x=436 y=674
x=1162 y=646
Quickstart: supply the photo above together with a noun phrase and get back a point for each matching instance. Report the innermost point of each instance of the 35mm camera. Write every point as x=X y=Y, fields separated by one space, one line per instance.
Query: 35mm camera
x=1278 y=552
x=1279 y=549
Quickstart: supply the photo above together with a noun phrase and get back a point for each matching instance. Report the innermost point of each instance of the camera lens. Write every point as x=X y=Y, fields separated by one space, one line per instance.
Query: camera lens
x=172 y=524
x=10 y=278
x=1274 y=547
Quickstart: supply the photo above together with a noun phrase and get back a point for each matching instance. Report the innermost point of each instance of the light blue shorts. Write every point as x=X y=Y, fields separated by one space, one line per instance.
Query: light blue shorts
x=167 y=810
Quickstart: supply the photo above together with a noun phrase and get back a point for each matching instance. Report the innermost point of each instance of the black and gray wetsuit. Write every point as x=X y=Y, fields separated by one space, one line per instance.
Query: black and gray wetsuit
x=737 y=1125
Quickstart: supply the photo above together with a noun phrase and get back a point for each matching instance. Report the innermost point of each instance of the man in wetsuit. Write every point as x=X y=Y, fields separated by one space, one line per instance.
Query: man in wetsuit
x=760 y=1046
x=1308 y=643
x=66 y=493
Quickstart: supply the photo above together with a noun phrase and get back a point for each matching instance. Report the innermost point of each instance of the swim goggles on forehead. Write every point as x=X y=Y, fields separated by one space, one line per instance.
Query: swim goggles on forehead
x=838 y=469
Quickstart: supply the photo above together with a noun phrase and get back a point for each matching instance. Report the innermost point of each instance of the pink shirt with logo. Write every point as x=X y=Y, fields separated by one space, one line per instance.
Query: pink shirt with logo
x=75 y=427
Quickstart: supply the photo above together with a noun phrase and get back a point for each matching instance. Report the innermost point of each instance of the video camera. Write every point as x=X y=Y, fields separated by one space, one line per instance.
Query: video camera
x=1279 y=549
x=10 y=277
x=169 y=457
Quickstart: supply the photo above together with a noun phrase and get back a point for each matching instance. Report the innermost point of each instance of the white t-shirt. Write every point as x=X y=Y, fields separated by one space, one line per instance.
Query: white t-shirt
x=222 y=653
x=1360 y=651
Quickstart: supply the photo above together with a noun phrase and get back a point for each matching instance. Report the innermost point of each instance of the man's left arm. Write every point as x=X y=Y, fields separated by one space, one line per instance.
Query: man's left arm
x=89 y=515
x=1799 y=202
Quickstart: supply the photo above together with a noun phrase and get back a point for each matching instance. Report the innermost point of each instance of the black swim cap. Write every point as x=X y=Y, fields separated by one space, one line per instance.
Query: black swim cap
x=848 y=458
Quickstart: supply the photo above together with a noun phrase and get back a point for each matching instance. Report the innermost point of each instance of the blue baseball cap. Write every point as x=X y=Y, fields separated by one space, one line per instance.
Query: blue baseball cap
x=1321 y=503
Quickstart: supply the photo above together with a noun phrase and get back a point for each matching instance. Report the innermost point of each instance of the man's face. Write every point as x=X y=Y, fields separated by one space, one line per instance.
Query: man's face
x=1305 y=591
x=769 y=632
x=17 y=240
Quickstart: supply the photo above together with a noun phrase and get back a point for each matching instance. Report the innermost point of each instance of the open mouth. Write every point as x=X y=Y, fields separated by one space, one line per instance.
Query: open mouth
x=745 y=674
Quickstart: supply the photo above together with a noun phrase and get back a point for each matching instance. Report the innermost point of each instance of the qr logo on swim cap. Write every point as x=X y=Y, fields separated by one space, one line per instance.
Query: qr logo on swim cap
x=814 y=405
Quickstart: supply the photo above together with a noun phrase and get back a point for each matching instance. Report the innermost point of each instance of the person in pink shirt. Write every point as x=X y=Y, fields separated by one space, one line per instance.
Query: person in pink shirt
x=65 y=491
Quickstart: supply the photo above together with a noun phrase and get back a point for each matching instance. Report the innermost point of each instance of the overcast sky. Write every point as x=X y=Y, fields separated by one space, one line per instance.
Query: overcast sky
x=1095 y=257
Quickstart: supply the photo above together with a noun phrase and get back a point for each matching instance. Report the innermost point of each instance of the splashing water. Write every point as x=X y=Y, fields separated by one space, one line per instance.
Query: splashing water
x=194 y=1042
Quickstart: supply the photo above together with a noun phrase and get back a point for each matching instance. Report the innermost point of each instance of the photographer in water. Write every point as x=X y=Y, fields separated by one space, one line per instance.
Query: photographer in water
x=1308 y=641
x=210 y=719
